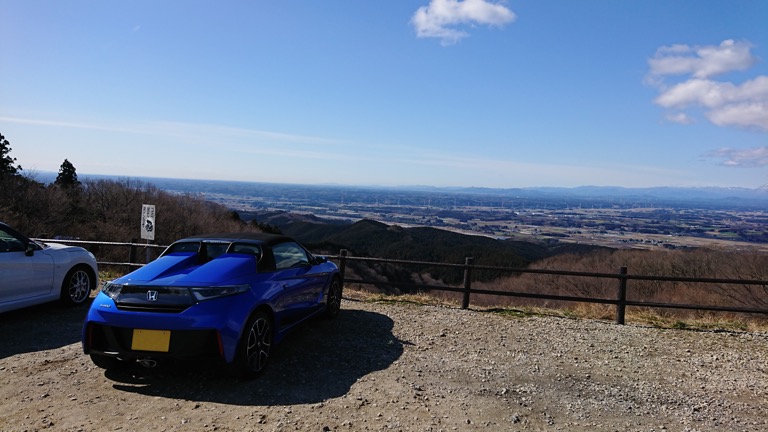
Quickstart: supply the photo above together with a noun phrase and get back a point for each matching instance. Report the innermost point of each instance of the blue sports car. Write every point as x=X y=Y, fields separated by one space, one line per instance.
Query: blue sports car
x=225 y=296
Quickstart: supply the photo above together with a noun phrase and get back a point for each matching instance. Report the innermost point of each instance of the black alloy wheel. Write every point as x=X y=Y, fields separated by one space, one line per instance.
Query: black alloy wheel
x=255 y=345
x=333 y=302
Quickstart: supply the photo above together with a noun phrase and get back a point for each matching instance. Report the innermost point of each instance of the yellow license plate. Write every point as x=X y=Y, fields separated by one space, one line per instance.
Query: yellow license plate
x=151 y=340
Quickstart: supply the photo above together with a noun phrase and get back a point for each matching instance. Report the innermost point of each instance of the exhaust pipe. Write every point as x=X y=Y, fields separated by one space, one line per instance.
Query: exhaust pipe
x=147 y=362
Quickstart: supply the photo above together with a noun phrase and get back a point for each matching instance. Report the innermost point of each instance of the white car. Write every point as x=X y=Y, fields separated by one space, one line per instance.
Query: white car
x=33 y=272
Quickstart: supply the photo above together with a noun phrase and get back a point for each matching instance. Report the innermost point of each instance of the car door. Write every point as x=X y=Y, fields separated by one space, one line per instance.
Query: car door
x=23 y=274
x=302 y=286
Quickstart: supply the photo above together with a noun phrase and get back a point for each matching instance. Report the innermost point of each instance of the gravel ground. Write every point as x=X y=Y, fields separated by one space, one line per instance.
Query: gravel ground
x=383 y=366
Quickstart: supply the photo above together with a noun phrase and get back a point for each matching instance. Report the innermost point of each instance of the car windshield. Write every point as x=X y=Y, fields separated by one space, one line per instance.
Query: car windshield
x=209 y=250
x=246 y=248
x=9 y=243
x=184 y=247
x=212 y=250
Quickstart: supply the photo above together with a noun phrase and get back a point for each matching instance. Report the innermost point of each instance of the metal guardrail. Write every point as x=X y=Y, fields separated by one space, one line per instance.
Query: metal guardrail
x=620 y=301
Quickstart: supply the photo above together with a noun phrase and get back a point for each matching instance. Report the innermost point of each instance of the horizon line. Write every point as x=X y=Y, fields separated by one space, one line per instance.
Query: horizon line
x=763 y=188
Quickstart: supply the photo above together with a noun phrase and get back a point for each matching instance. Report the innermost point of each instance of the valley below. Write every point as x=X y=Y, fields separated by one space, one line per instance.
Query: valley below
x=610 y=222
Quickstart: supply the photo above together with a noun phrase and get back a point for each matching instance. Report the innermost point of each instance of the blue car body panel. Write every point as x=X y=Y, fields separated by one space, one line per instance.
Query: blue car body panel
x=162 y=296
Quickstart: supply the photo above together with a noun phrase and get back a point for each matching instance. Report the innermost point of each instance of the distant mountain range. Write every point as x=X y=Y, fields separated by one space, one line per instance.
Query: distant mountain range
x=718 y=196
x=666 y=192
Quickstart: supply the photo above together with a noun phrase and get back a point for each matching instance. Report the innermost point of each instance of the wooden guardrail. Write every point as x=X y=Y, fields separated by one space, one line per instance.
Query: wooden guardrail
x=134 y=250
x=622 y=278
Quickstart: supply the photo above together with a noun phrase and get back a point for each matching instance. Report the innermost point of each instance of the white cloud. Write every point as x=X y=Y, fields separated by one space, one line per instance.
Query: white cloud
x=680 y=117
x=441 y=18
x=743 y=158
x=702 y=61
x=743 y=115
x=176 y=129
x=713 y=94
x=725 y=103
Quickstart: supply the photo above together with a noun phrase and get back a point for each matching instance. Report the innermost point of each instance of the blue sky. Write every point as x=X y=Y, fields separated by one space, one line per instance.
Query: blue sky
x=410 y=92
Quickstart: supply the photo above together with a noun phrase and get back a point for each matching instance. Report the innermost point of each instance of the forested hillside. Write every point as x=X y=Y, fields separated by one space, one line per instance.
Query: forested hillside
x=108 y=210
x=369 y=238
x=101 y=210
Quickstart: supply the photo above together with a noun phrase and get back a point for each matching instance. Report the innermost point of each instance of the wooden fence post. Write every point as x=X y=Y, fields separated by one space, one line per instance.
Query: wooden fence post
x=467 y=281
x=132 y=253
x=621 y=304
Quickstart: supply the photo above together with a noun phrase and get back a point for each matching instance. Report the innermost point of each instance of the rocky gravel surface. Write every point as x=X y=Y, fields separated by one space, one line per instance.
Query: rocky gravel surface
x=401 y=367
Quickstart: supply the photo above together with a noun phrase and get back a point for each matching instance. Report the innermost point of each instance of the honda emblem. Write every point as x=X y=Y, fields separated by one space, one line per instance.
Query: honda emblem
x=152 y=295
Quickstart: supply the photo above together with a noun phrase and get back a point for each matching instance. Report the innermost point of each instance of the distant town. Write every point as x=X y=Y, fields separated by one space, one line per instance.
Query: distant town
x=652 y=218
x=615 y=217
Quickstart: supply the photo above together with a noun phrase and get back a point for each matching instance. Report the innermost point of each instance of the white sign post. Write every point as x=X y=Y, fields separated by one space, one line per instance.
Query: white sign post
x=148 y=224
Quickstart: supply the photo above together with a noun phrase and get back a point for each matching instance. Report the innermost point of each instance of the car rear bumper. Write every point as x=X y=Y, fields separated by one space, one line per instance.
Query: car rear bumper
x=206 y=329
x=183 y=344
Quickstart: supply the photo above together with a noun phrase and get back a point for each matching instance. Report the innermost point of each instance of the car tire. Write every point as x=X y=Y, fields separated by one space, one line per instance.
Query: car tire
x=77 y=286
x=255 y=346
x=333 y=300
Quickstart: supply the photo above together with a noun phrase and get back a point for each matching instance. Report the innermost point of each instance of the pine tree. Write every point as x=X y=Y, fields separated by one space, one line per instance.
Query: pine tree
x=7 y=169
x=67 y=177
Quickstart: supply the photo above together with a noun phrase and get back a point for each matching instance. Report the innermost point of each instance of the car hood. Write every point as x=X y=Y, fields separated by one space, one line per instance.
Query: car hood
x=184 y=270
x=62 y=247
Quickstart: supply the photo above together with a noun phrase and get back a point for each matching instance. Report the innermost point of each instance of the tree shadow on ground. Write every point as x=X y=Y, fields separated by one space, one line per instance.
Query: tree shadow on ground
x=320 y=360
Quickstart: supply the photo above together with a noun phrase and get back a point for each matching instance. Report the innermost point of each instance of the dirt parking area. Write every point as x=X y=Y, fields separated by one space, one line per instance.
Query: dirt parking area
x=394 y=366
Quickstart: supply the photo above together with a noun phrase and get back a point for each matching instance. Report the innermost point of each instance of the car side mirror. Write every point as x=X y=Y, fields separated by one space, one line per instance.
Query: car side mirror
x=320 y=260
x=30 y=249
